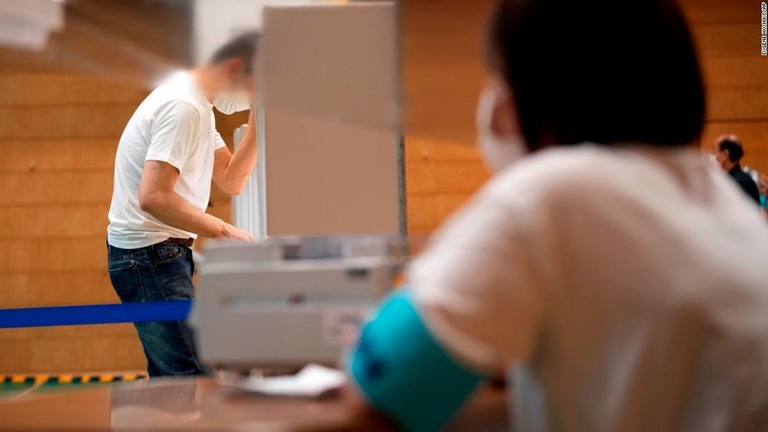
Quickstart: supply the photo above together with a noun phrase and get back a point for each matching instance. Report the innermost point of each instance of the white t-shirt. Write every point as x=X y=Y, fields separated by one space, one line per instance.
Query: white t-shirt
x=174 y=124
x=631 y=283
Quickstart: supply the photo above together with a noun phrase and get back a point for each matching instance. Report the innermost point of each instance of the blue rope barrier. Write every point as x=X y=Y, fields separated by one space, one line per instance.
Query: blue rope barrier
x=174 y=310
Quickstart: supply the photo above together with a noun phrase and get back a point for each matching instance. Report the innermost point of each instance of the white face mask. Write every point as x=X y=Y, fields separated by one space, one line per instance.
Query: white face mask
x=498 y=152
x=232 y=102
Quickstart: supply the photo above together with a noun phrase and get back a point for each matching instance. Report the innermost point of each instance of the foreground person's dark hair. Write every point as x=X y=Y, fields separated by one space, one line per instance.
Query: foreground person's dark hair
x=605 y=71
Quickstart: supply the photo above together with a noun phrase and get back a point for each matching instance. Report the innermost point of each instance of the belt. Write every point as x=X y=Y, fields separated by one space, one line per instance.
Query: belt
x=188 y=242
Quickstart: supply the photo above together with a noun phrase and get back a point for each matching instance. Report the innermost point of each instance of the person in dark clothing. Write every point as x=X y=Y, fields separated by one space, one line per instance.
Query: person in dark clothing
x=728 y=152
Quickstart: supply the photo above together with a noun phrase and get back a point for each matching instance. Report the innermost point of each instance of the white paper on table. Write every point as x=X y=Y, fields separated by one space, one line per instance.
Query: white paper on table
x=312 y=382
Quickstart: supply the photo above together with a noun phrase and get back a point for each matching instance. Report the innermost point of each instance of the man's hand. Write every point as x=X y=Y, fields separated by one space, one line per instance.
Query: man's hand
x=232 y=232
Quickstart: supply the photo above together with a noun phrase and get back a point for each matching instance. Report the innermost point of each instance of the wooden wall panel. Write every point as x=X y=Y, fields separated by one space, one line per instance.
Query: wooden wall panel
x=440 y=177
x=67 y=332
x=17 y=356
x=421 y=177
x=737 y=103
x=699 y=12
x=53 y=221
x=422 y=213
x=60 y=255
x=59 y=134
x=64 y=121
x=735 y=72
x=754 y=134
x=26 y=89
x=728 y=39
x=460 y=177
x=49 y=288
x=46 y=188
x=442 y=66
x=757 y=160
x=423 y=149
x=116 y=350
x=89 y=353
x=48 y=155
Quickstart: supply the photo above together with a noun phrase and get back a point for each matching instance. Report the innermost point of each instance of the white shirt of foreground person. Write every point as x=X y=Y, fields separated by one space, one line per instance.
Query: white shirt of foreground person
x=174 y=124
x=631 y=283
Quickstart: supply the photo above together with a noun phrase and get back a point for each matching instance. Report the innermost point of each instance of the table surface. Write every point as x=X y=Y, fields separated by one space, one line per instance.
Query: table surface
x=202 y=404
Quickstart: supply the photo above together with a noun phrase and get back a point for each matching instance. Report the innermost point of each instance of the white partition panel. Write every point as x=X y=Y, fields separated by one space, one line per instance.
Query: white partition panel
x=329 y=153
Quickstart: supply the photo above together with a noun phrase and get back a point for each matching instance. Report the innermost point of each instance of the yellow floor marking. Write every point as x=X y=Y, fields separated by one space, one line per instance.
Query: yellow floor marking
x=106 y=378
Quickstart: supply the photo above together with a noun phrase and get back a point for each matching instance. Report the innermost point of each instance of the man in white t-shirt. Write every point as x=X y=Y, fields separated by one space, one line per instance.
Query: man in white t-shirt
x=617 y=277
x=167 y=156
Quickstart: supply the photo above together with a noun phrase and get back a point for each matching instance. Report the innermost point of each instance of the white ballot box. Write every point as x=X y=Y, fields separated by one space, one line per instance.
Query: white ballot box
x=290 y=301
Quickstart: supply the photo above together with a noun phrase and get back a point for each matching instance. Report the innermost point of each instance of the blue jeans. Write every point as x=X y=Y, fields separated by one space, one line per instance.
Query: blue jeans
x=159 y=272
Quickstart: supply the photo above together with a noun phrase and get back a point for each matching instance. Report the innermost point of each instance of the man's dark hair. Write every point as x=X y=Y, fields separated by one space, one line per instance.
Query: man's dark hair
x=604 y=71
x=242 y=47
x=734 y=147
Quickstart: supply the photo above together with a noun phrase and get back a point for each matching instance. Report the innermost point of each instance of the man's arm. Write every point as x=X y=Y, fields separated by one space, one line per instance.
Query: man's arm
x=157 y=197
x=231 y=171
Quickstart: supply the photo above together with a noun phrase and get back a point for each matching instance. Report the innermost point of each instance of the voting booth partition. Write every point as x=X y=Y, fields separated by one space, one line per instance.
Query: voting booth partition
x=330 y=154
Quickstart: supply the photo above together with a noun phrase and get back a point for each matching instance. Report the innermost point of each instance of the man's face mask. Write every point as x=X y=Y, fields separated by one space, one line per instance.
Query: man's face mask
x=231 y=102
x=499 y=152
x=235 y=99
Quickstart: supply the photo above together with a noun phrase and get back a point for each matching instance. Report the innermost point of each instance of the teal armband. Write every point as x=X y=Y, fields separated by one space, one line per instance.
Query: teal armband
x=404 y=372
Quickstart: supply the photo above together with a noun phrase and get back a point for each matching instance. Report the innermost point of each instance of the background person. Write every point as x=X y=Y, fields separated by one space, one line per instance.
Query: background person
x=728 y=153
x=617 y=272
x=168 y=154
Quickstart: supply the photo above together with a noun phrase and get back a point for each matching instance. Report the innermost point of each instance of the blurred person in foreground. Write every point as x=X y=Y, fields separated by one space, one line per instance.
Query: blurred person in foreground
x=616 y=277
x=728 y=153
x=167 y=156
